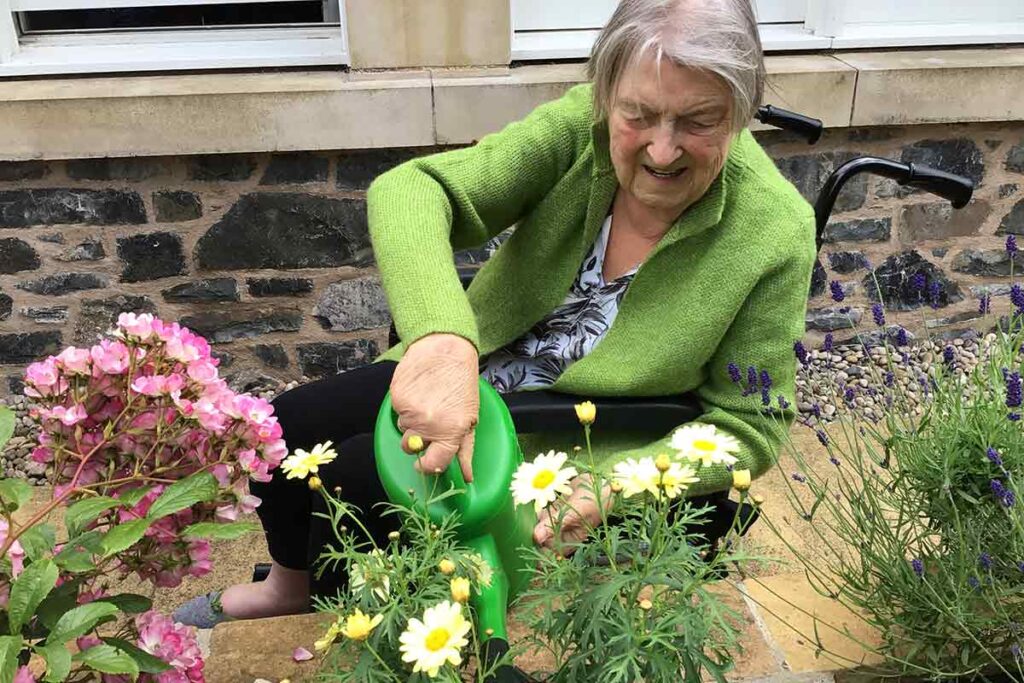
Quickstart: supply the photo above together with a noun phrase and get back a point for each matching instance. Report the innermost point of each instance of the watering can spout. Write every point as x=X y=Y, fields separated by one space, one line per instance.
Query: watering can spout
x=489 y=522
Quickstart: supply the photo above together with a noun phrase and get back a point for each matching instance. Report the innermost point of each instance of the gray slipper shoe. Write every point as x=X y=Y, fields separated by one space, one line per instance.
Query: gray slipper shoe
x=204 y=611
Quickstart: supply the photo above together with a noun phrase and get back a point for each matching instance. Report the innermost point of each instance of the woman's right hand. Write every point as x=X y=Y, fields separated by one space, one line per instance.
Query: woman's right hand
x=436 y=395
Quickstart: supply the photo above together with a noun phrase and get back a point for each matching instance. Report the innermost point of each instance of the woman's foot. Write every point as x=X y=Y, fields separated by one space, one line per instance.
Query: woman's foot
x=284 y=591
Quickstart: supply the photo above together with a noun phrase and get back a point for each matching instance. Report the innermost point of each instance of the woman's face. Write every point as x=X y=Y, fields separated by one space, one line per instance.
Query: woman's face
x=670 y=130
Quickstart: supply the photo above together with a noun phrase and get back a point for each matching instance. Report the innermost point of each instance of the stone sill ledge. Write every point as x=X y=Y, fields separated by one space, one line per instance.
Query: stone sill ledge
x=323 y=110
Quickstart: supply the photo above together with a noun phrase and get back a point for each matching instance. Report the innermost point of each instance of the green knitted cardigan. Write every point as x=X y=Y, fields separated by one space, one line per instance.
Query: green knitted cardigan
x=727 y=284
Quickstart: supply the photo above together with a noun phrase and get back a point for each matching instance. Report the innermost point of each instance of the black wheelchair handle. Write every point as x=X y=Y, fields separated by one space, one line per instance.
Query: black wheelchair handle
x=956 y=189
x=804 y=126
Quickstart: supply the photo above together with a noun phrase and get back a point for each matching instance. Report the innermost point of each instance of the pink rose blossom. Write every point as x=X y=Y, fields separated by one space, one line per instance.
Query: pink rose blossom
x=16 y=554
x=75 y=360
x=110 y=357
x=68 y=416
x=44 y=379
x=24 y=675
x=136 y=325
x=174 y=644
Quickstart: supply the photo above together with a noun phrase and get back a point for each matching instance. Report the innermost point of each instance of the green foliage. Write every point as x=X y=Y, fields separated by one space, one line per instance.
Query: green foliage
x=198 y=488
x=14 y=493
x=124 y=536
x=146 y=662
x=79 y=621
x=58 y=661
x=216 y=531
x=107 y=659
x=81 y=513
x=10 y=646
x=27 y=591
x=7 y=420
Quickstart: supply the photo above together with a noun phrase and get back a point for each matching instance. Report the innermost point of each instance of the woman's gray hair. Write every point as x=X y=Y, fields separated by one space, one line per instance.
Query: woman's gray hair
x=718 y=36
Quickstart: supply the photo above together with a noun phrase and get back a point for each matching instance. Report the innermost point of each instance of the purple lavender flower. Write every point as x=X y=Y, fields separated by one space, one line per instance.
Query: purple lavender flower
x=993 y=455
x=919 y=281
x=1020 y=567
x=848 y=395
x=947 y=355
x=1013 y=390
x=801 y=352
x=935 y=294
x=973 y=582
x=918 y=567
x=1017 y=296
x=890 y=378
x=901 y=337
x=878 y=314
x=1009 y=499
x=734 y=373
x=816 y=409
x=997 y=488
x=783 y=403
x=798 y=477
x=1015 y=651
x=904 y=357
x=834 y=460
x=1013 y=417
x=766 y=380
x=751 y=376
x=985 y=560
x=837 y=291
x=985 y=303
x=1011 y=245
x=822 y=436
x=827 y=345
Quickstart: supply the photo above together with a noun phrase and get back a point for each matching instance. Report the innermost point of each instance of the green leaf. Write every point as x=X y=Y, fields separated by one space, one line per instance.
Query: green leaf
x=14 y=493
x=10 y=646
x=58 y=661
x=220 y=532
x=7 y=420
x=198 y=488
x=75 y=560
x=124 y=536
x=79 y=621
x=131 y=498
x=108 y=660
x=147 y=663
x=129 y=603
x=38 y=541
x=85 y=511
x=28 y=590
x=60 y=600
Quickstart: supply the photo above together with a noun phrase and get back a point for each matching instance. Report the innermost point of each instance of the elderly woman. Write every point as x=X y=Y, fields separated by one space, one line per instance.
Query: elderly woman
x=655 y=245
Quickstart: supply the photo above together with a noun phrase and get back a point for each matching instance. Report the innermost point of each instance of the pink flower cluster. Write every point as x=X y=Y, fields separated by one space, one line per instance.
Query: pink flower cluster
x=143 y=408
x=175 y=644
x=16 y=555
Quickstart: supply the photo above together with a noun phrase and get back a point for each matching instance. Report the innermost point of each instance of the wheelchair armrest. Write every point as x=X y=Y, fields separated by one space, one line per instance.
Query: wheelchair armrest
x=658 y=414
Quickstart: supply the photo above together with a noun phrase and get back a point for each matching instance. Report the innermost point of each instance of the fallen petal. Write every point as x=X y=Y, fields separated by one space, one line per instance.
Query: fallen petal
x=301 y=654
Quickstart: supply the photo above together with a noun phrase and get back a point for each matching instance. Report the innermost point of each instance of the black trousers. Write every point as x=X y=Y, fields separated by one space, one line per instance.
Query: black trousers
x=342 y=409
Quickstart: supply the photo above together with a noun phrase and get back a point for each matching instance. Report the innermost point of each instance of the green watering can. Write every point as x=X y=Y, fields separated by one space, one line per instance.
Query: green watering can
x=490 y=523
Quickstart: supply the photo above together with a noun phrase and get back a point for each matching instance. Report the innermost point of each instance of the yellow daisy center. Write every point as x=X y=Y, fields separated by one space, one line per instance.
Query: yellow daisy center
x=543 y=479
x=704 y=445
x=437 y=639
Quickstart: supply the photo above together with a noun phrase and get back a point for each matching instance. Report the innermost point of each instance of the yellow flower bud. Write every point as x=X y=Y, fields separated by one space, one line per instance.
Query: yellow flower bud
x=741 y=480
x=489 y=632
x=758 y=500
x=663 y=462
x=314 y=483
x=586 y=412
x=646 y=605
x=447 y=567
x=616 y=487
x=460 y=589
x=394 y=536
x=358 y=625
x=415 y=443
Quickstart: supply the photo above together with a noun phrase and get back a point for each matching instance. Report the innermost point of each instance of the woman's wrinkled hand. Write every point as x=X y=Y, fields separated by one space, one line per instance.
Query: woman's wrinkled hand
x=573 y=515
x=435 y=393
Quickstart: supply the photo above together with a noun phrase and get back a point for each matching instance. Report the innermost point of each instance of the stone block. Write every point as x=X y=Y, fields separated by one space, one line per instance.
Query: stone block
x=294 y=169
x=177 y=206
x=940 y=220
x=97 y=316
x=1007 y=189
x=1015 y=158
x=991 y=290
x=940 y=252
x=958 y=155
x=6 y=306
x=243 y=322
x=27 y=347
x=221 y=167
x=51 y=238
x=896 y=288
x=23 y=170
x=352 y=305
x=150 y=256
x=279 y=286
x=845 y=262
x=64 y=283
x=1013 y=222
x=287 y=230
x=272 y=355
x=324 y=359
x=224 y=358
x=25 y=208
x=200 y=291
x=831 y=318
x=89 y=250
x=46 y=314
x=808 y=172
x=17 y=255
x=987 y=262
x=962 y=317
x=862 y=230
x=358 y=168
x=128 y=168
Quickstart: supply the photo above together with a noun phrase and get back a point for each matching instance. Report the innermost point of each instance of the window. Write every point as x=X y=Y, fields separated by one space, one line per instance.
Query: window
x=566 y=29
x=87 y=36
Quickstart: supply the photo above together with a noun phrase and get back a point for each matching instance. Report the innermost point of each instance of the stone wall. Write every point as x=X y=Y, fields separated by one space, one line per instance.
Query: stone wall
x=268 y=255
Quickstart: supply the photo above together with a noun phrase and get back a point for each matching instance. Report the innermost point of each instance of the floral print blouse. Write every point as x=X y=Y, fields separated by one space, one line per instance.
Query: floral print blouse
x=567 y=334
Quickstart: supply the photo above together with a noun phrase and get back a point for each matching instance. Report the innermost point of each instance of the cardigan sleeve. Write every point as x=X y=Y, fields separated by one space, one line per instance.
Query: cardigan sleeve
x=762 y=335
x=422 y=210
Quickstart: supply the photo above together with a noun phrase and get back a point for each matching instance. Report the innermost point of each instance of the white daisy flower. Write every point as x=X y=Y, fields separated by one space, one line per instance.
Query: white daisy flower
x=704 y=444
x=677 y=478
x=301 y=464
x=437 y=640
x=637 y=476
x=541 y=481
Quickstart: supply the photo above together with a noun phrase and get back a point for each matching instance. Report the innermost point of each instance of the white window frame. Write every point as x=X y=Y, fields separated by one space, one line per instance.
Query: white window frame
x=566 y=29
x=164 y=49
